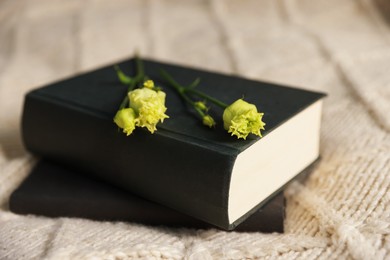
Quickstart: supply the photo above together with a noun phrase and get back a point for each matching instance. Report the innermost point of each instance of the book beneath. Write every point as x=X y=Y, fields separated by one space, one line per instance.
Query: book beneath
x=54 y=190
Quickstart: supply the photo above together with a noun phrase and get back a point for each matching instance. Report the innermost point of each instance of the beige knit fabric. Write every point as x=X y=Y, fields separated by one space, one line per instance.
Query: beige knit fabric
x=338 y=46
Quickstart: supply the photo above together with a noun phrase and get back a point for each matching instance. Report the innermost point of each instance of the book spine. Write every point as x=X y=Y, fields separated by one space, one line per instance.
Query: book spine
x=172 y=171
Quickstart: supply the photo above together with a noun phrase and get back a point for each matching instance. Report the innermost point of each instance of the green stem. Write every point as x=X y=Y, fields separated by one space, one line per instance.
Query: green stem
x=125 y=101
x=140 y=74
x=207 y=97
x=171 y=81
x=181 y=90
x=140 y=68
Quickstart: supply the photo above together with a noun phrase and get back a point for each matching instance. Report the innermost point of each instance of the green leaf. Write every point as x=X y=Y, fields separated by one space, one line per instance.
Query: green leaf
x=123 y=78
x=194 y=83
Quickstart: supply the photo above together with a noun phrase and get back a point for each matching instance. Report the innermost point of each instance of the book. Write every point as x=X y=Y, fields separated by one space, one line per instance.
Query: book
x=201 y=172
x=53 y=190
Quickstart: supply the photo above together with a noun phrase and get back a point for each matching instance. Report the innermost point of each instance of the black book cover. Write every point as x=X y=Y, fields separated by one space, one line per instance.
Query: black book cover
x=56 y=191
x=184 y=165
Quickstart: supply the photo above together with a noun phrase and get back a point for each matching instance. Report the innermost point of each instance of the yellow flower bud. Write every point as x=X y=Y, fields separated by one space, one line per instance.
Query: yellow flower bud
x=201 y=105
x=149 y=84
x=125 y=119
x=241 y=118
x=208 y=121
x=149 y=106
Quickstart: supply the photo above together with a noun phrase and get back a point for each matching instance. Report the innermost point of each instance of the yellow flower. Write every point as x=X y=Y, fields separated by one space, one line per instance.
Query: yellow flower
x=149 y=106
x=208 y=121
x=241 y=118
x=125 y=119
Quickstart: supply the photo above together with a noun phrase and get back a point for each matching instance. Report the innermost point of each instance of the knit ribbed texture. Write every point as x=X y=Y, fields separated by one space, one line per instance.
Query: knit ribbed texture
x=340 y=47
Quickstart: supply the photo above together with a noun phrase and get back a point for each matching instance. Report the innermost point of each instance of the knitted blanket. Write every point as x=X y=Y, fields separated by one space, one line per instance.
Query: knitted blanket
x=341 y=47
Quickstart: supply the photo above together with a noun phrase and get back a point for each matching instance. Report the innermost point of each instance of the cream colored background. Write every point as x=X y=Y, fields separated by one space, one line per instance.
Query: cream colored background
x=338 y=46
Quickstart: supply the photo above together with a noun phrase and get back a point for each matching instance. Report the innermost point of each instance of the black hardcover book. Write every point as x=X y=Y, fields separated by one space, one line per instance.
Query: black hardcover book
x=204 y=173
x=56 y=191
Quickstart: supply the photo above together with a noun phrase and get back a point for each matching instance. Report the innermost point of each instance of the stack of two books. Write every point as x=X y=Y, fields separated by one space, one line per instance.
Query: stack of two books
x=184 y=175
